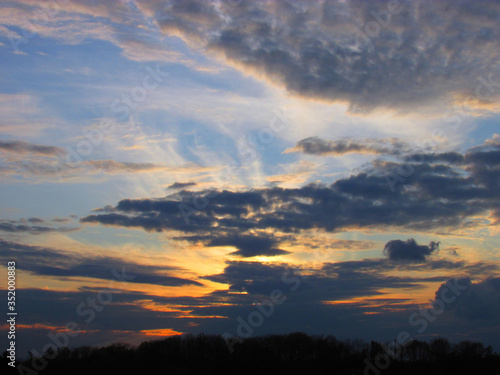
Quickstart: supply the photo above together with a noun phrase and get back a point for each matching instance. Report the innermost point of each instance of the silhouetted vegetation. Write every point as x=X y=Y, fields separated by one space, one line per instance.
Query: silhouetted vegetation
x=295 y=353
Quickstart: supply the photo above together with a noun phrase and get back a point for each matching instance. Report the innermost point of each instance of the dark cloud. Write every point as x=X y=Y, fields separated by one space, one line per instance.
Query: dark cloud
x=307 y=291
x=121 y=318
x=413 y=195
x=337 y=281
x=21 y=147
x=479 y=301
x=484 y=158
x=409 y=250
x=35 y=220
x=181 y=185
x=50 y=262
x=369 y=54
x=249 y=245
x=318 y=146
x=447 y=157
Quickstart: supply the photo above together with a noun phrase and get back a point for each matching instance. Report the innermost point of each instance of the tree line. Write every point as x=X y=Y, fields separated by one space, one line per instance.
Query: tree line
x=294 y=353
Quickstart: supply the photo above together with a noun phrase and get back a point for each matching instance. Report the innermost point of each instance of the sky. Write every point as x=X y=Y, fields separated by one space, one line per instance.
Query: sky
x=250 y=167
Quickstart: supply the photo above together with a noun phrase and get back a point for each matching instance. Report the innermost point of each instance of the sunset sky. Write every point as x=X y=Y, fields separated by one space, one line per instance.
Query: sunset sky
x=171 y=166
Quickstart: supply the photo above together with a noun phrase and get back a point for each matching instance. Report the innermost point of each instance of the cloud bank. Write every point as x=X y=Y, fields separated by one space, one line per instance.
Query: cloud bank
x=433 y=195
x=369 y=54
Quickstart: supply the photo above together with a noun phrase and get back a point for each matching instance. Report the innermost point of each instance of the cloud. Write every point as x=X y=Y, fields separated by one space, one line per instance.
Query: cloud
x=112 y=166
x=338 y=51
x=413 y=195
x=180 y=185
x=249 y=245
x=48 y=162
x=331 y=282
x=118 y=22
x=51 y=262
x=35 y=220
x=63 y=219
x=364 y=53
x=21 y=147
x=484 y=158
x=28 y=226
x=318 y=146
x=479 y=301
x=123 y=319
x=409 y=250
x=447 y=157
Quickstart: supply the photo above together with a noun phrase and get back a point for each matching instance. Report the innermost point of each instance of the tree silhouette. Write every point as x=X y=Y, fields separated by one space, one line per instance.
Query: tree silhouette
x=294 y=353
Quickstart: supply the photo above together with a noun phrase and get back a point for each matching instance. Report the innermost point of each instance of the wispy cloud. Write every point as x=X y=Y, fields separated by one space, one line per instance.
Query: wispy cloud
x=50 y=262
x=32 y=226
x=47 y=162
